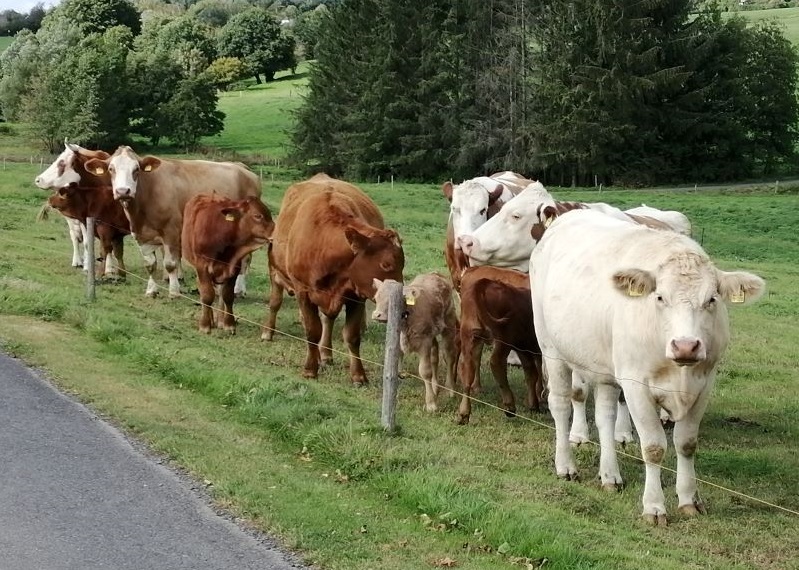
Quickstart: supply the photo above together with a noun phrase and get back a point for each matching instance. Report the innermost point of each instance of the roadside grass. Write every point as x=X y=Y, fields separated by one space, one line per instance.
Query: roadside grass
x=307 y=460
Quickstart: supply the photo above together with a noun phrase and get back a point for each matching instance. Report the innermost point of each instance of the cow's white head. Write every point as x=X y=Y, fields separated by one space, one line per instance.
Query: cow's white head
x=506 y=240
x=124 y=167
x=67 y=169
x=469 y=204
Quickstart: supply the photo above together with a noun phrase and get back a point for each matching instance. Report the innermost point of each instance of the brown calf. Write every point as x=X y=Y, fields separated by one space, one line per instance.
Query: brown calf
x=496 y=307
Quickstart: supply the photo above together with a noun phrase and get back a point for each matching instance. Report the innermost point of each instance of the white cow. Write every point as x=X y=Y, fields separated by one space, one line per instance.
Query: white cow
x=631 y=308
x=65 y=170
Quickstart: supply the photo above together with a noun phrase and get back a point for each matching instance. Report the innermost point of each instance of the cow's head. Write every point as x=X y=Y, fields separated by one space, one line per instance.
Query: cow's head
x=687 y=299
x=124 y=168
x=505 y=240
x=378 y=255
x=253 y=219
x=409 y=292
x=61 y=198
x=469 y=205
x=68 y=167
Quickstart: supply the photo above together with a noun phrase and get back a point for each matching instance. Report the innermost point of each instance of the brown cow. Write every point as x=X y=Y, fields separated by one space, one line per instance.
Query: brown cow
x=496 y=306
x=218 y=233
x=154 y=191
x=328 y=246
x=428 y=314
x=111 y=224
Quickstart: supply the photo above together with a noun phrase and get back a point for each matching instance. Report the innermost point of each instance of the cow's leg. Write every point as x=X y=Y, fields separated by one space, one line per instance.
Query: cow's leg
x=240 y=290
x=150 y=264
x=171 y=265
x=228 y=295
x=653 y=445
x=450 y=342
x=355 y=311
x=532 y=380
x=623 y=430
x=606 y=402
x=471 y=349
x=326 y=344
x=76 y=237
x=276 y=290
x=87 y=263
x=560 y=393
x=499 y=369
x=434 y=360
x=107 y=245
x=313 y=332
x=579 y=429
x=427 y=372
x=686 y=437
x=119 y=256
x=207 y=295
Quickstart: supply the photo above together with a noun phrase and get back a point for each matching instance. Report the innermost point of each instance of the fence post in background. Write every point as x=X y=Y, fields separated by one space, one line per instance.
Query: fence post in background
x=391 y=359
x=89 y=261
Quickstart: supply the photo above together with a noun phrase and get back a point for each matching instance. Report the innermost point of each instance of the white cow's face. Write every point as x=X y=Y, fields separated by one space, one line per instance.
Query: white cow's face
x=124 y=167
x=469 y=208
x=505 y=239
x=61 y=173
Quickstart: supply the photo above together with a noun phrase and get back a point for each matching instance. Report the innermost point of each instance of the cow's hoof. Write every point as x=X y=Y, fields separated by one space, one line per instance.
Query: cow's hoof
x=624 y=437
x=309 y=373
x=611 y=487
x=151 y=294
x=463 y=419
x=430 y=408
x=578 y=439
x=205 y=330
x=655 y=519
x=570 y=475
x=230 y=330
x=693 y=509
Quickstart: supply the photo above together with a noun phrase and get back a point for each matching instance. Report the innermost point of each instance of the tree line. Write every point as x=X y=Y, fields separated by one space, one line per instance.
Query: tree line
x=574 y=92
x=99 y=71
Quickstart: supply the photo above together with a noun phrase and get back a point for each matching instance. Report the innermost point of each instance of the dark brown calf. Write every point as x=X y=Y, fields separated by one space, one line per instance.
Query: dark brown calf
x=217 y=234
x=496 y=307
x=111 y=224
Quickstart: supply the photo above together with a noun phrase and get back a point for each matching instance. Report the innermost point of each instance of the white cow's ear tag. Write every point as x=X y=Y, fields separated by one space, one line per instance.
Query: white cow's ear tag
x=230 y=218
x=548 y=221
x=148 y=168
x=635 y=291
x=98 y=170
x=739 y=297
x=410 y=300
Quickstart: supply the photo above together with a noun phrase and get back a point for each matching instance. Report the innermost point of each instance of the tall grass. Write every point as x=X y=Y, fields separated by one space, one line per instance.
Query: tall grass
x=306 y=459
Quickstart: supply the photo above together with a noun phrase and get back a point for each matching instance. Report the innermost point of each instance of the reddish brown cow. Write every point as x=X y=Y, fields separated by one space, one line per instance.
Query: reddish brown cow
x=329 y=245
x=111 y=224
x=496 y=307
x=218 y=233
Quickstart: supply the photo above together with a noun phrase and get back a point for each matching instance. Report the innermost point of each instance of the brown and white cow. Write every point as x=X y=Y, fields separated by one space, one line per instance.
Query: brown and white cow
x=428 y=315
x=472 y=202
x=67 y=169
x=218 y=233
x=329 y=245
x=154 y=191
x=638 y=310
x=111 y=224
x=496 y=307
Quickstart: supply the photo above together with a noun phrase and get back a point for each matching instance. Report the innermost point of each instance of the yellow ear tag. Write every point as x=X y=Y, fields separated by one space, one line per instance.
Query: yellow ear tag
x=739 y=297
x=230 y=218
x=148 y=168
x=635 y=291
x=98 y=170
x=548 y=221
x=410 y=299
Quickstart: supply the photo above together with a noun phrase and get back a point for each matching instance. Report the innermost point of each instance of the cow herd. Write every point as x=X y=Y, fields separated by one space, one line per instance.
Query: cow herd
x=586 y=295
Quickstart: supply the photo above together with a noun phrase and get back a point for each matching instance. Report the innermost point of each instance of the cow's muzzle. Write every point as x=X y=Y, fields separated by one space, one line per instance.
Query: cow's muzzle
x=687 y=351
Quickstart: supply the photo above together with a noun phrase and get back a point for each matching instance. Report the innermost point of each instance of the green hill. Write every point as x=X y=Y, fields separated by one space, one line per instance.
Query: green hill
x=788 y=17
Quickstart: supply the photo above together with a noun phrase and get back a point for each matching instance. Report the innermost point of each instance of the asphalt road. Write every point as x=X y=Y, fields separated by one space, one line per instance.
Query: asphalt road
x=75 y=494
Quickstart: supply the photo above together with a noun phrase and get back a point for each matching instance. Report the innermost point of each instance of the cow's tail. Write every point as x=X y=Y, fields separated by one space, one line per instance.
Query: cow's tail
x=44 y=212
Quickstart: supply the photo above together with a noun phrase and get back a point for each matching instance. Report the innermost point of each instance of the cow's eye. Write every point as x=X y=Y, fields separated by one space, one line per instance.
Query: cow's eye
x=386 y=266
x=659 y=298
x=516 y=216
x=483 y=212
x=711 y=302
x=258 y=217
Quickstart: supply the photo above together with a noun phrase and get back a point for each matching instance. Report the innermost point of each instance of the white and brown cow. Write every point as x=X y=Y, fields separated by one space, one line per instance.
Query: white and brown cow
x=66 y=170
x=429 y=315
x=218 y=233
x=472 y=202
x=638 y=310
x=154 y=191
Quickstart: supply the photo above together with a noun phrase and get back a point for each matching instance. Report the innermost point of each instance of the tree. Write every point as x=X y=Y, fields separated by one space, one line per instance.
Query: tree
x=99 y=15
x=255 y=37
x=191 y=113
x=226 y=70
x=153 y=79
x=306 y=30
x=188 y=41
x=216 y=13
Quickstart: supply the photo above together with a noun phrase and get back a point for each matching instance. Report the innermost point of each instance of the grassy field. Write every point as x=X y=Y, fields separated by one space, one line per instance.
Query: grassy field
x=306 y=459
x=788 y=17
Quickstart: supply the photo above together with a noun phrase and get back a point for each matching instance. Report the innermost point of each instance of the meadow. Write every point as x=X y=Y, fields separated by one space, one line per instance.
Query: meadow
x=308 y=461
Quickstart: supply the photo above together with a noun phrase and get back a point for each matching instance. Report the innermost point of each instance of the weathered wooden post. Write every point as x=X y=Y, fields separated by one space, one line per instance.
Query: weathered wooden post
x=391 y=359
x=89 y=261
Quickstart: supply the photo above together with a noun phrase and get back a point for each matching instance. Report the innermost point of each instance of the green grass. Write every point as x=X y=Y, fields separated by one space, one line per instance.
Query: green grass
x=5 y=41
x=306 y=459
x=788 y=17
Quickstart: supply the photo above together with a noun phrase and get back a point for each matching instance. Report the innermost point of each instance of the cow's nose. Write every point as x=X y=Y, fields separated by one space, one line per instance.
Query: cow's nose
x=466 y=244
x=38 y=181
x=122 y=191
x=687 y=350
x=379 y=316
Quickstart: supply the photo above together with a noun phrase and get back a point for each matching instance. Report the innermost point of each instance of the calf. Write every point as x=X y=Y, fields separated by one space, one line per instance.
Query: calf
x=496 y=307
x=429 y=314
x=217 y=234
x=111 y=224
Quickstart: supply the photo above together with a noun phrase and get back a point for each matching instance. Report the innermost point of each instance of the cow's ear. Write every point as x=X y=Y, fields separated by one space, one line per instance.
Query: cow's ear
x=231 y=214
x=447 y=190
x=496 y=194
x=634 y=282
x=96 y=166
x=410 y=293
x=739 y=287
x=149 y=163
x=547 y=215
x=358 y=242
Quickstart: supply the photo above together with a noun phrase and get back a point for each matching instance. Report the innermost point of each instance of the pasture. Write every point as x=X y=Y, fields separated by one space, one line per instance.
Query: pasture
x=787 y=17
x=307 y=460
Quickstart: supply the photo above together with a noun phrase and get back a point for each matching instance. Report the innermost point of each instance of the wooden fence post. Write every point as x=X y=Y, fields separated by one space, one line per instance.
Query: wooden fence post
x=391 y=359
x=89 y=261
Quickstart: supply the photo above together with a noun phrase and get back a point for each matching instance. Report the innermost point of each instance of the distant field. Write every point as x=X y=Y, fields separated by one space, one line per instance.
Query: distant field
x=5 y=41
x=788 y=17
